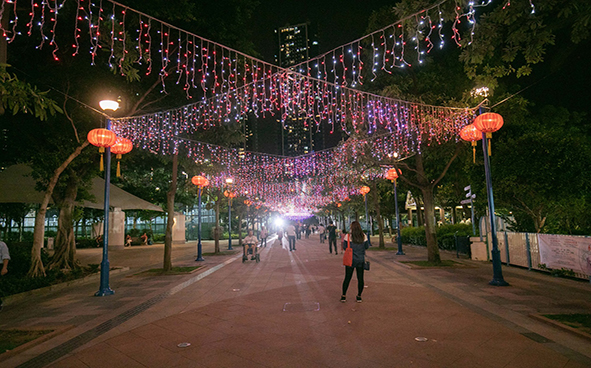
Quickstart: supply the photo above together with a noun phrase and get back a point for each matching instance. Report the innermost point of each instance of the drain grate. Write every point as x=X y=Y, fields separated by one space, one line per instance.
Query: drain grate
x=67 y=347
x=536 y=337
x=301 y=307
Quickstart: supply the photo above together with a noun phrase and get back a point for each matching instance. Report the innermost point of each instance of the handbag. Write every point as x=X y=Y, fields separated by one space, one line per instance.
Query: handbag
x=348 y=255
x=366 y=265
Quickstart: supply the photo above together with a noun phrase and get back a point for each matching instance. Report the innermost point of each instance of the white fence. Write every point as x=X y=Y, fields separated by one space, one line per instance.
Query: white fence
x=522 y=249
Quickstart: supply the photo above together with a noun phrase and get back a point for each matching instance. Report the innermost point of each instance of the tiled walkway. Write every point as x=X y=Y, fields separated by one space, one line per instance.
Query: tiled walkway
x=285 y=312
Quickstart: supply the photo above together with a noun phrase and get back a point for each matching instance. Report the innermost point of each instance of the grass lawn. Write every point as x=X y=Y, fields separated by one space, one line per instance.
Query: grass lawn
x=10 y=339
x=173 y=271
x=581 y=322
x=427 y=264
x=376 y=248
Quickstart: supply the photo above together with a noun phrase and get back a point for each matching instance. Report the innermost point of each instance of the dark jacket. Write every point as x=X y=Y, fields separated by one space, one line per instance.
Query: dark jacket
x=358 y=251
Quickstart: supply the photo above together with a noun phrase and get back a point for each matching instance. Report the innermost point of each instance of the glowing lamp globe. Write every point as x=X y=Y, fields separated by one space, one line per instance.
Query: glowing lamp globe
x=488 y=122
x=470 y=133
x=392 y=174
x=109 y=105
x=102 y=138
x=122 y=146
x=200 y=181
x=364 y=190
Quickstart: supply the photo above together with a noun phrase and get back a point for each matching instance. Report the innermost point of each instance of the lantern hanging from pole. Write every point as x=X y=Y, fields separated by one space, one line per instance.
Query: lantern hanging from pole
x=393 y=174
x=488 y=123
x=101 y=138
x=121 y=147
x=247 y=202
x=200 y=181
x=364 y=190
x=470 y=133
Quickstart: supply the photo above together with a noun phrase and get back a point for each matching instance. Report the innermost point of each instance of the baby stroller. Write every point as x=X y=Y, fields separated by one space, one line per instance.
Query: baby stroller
x=251 y=249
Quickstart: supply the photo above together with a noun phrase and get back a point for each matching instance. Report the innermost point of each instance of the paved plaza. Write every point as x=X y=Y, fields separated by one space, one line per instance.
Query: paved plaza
x=285 y=312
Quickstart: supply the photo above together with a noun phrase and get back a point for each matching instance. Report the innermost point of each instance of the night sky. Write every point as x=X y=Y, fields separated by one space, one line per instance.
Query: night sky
x=338 y=21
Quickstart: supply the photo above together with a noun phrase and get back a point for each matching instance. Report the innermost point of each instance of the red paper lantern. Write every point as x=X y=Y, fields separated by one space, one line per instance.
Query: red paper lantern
x=470 y=133
x=200 y=181
x=488 y=122
x=121 y=147
x=364 y=190
x=101 y=138
x=247 y=202
x=229 y=194
x=392 y=174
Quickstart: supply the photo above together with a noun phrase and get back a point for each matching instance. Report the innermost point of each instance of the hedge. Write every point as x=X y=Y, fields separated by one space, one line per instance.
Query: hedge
x=445 y=235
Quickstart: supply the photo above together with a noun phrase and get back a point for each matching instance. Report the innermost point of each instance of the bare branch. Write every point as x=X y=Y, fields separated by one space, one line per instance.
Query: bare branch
x=451 y=160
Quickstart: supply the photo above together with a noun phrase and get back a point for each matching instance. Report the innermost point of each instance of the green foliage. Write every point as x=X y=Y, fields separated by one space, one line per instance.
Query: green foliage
x=10 y=339
x=445 y=235
x=17 y=96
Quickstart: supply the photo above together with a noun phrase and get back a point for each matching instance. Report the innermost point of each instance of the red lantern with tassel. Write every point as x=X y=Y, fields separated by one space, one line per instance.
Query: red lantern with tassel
x=121 y=147
x=200 y=181
x=488 y=123
x=102 y=138
x=469 y=133
x=364 y=190
x=392 y=174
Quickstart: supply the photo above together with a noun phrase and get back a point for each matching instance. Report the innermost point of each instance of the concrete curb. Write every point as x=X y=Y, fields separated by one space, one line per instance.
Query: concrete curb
x=562 y=326
x=8 y=300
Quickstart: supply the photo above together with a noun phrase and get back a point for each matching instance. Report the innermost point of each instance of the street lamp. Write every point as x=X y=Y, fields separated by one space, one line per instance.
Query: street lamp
x=488 y=123
x=393 y=174
x=104 y=288
x=364 y=190
x=230 y=194
x=200 y=182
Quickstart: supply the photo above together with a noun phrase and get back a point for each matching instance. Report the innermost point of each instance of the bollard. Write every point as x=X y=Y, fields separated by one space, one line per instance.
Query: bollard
x=507 y=247
x=528 y=250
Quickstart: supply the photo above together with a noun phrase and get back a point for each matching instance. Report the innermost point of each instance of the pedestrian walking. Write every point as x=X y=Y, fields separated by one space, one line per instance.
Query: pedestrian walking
x=5 y=257
x=298 y=229
x=332 y=237
x=355 y=243
x=291 y=236
x=322 y=230
x=264 y=233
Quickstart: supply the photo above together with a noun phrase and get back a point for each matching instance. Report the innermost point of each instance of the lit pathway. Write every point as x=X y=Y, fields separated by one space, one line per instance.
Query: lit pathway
x=284 y=312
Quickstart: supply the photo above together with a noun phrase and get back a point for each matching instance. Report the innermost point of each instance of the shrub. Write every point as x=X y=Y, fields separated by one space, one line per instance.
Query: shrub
x=445 y=235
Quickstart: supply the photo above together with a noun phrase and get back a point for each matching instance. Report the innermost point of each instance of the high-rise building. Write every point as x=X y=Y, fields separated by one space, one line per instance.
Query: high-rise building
x=296 y=44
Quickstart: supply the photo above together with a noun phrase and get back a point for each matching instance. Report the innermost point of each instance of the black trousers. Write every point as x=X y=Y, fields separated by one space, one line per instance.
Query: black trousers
x=349 y=275
x=332 y=242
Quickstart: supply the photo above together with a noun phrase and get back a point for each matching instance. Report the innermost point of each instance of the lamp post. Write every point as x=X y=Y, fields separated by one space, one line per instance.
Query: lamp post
x=364 y=190
x=200 y=182
x=486 y=124
x=393 y=174
x=230 y=194
x=104 y=288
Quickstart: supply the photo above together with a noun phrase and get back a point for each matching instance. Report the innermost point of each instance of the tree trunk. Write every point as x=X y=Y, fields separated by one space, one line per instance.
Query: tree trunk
x=240 y=215
x=376 y=204
x=167 y=264
x=65 y=242
x=430 y=227
x=37 y=269
x=216 y=233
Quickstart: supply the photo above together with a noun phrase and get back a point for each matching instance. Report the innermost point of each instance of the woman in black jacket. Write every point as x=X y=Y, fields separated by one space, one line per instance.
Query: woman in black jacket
x=359 y=243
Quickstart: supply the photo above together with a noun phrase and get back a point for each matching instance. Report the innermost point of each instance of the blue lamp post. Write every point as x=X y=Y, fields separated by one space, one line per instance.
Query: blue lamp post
x=392 y=174
x=364 y=190
x=201 y=182
x=487 y=123
x=104 y=288
x=230 y=194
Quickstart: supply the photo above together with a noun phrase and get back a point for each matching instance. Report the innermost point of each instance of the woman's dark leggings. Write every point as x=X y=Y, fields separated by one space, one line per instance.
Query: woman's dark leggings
x=349 y=275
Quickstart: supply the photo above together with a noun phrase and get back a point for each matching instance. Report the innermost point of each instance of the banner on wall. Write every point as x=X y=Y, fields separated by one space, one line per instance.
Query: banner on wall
x=562 y=251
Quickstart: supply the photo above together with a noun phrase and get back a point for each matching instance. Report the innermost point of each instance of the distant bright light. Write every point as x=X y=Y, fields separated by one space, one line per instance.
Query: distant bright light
x=279 y=222
x=109 y=105
x=229 y=181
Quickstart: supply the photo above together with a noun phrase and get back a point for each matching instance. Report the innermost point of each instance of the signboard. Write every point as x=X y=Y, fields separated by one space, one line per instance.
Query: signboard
x=466 y=201
x=562 y=251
